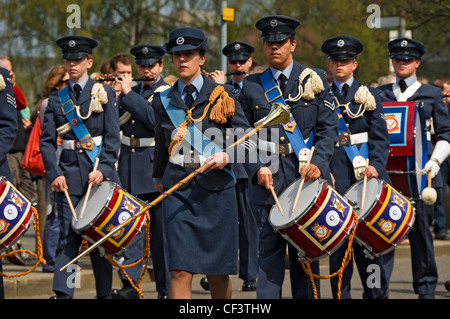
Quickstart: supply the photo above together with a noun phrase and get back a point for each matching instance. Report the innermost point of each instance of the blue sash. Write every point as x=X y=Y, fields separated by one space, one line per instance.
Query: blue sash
x=78 y=127
x=351 y=150
x=198 y=140
x=273 y=94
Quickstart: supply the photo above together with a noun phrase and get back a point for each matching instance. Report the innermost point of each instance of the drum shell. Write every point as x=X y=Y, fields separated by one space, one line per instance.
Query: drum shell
x=408 y=150
x=306 y=247
x=365 y=235
x=24 y=220
x=92 y=231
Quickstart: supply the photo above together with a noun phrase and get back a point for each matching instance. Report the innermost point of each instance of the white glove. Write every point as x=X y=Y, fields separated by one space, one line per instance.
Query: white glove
x=359 y=166
x=432 y=166
x=440 y=153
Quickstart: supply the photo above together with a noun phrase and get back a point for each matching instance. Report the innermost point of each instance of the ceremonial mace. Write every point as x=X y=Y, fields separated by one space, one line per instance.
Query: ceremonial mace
x=279 y=114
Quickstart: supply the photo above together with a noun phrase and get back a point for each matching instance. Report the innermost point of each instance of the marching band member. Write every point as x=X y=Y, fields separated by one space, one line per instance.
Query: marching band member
x=8 y=121
x=406 y=56
x=306 y=91
x=201 y=221
x=369 y=138
x=136 y=163
x=85 y=115
x=239 y=61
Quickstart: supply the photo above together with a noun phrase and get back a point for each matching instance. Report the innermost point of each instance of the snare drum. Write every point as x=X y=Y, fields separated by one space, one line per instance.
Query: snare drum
x=109 y=206
x=16 y=214
x=320 y=223
x=385 y=219
x=408 y=150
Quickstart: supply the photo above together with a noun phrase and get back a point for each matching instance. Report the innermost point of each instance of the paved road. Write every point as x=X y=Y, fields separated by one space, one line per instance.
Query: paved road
x=37 y=285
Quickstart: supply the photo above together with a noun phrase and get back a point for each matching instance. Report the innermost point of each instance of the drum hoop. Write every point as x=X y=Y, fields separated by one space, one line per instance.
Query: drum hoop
x=311 y=204
x=21 y=222
x=96 y=217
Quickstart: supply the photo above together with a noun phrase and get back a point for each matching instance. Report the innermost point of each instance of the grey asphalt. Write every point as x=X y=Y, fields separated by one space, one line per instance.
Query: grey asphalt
x=38 y=285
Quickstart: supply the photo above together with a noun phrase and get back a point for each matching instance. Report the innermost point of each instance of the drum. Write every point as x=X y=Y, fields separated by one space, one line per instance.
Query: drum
x=109 y=206
x=320 y=223
x=408 y=150
x=385 y=219
x=16 y=214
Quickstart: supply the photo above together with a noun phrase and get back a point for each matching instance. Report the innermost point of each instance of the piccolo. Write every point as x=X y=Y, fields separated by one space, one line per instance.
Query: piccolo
x=136 y=79
x=231 y=73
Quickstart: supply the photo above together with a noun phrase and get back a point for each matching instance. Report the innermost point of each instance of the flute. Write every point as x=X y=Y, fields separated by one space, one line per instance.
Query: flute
x=136 y=79
x=231 y=73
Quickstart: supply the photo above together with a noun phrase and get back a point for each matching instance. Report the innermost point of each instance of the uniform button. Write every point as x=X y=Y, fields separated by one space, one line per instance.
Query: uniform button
x=257 y=107
x=133 y=150
x=306 y=103
x=282 y=139
x=132 y=136
x=133 y=121
x=80 y=151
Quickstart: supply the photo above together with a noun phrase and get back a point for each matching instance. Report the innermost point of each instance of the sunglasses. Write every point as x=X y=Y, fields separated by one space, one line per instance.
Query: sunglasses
x=238 y=61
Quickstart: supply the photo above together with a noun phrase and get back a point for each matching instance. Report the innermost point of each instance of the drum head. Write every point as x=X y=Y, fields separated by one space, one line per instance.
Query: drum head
x=98 y=198
x=307 y=198
x=420 y=152
x=354 y=195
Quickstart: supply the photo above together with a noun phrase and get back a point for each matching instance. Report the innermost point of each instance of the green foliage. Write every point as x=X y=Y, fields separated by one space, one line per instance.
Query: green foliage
x=29 y=29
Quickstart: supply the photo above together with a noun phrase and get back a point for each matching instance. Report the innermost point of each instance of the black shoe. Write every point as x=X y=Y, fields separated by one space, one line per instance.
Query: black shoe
x=204 y=283
x=60 y=295
x=427 y=296
x=124 y=293
x=161 y=296
x=442 y=235
x=249 y=286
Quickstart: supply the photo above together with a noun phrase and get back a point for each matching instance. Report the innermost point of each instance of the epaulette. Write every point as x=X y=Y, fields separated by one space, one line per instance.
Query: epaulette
x=366 y=102
x=2 y=83
x=313 y=85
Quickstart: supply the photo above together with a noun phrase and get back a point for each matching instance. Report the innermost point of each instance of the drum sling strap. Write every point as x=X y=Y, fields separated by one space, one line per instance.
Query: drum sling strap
x=198 y=140
x=78 y=127
x=273 y=94
x=351 y=150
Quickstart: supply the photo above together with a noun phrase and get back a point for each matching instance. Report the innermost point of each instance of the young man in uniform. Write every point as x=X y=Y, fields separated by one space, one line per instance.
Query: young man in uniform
x=94 y=116
x=368 y=138
x=136 y=162
x=8 y=121
x=406 y=56
x=310 y=103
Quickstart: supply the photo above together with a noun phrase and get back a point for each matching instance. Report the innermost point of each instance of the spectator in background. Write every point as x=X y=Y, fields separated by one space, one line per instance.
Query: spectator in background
x=56 y=79
x=21 y=178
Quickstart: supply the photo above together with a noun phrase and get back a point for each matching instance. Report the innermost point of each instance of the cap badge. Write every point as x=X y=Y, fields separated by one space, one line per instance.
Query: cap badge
x=144 y=50
x=180 y=40
x=404 y=43
x=273 y=23
x=72 y=43
x=237 y=46
x=340 y=43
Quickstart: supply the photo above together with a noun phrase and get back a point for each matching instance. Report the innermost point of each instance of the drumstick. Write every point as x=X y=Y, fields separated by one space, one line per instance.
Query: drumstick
x=302 y=180
x=89 y=189
x=70 y=204
x=364 y=187
x=276 y=199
